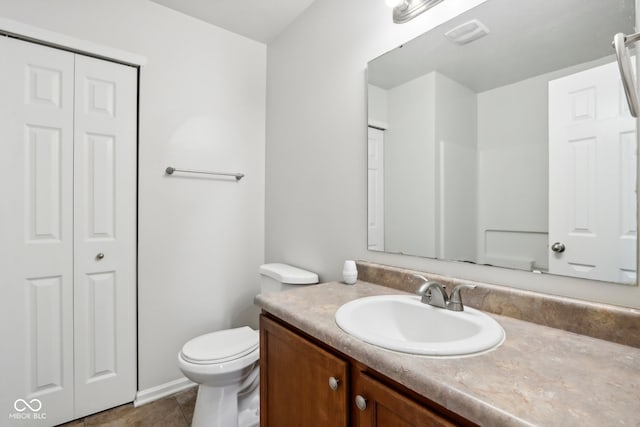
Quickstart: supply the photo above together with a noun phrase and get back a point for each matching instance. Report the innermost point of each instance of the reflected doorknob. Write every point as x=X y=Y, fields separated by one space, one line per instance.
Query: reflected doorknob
x=558 y=247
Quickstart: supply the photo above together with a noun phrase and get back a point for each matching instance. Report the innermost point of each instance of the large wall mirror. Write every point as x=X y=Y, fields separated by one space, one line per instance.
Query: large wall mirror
x=503 y=138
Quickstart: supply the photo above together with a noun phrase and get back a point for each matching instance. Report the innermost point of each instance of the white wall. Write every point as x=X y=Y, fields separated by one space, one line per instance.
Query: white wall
x=512 y=142
x=410 y=168
x=202 y=106
x=455 y=137
x=316 y=150
x=377 y=106
x=430 y=157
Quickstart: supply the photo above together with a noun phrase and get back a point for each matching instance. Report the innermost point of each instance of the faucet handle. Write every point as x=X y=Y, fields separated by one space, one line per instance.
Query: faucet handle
x=419 y=276
x=424 y=286
x=422 y=290
x=455 y=302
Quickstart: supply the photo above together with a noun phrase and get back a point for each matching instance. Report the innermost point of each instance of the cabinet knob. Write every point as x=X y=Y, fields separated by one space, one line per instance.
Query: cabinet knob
x=361 y=402
x=99 y=256
x=333 y=383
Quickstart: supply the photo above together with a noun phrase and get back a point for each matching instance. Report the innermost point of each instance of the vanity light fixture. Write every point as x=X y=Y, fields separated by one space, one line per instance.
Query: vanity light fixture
x=406 y=10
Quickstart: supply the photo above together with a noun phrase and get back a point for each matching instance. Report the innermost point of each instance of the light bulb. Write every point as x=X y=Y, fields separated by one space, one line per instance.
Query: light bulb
x=394 y=3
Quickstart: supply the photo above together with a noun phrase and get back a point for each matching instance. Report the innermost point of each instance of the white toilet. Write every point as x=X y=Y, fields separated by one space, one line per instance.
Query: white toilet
x=225 y=363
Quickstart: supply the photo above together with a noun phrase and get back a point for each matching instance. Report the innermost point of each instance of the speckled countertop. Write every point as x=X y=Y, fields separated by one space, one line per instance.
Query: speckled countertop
x=540 y=376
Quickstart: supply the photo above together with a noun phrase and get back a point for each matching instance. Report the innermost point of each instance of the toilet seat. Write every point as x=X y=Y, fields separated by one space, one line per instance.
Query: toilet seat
x=221 y=346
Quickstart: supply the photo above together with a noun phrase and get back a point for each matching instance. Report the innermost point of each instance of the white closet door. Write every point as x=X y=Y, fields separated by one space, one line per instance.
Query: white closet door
x=105 y=234
x=36 y=233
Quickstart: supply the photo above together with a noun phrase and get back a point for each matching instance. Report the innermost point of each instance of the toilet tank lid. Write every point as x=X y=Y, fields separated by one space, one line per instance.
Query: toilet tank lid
x=285 y=273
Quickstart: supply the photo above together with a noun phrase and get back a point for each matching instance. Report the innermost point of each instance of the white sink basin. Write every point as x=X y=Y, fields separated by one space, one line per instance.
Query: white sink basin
x=403 y=323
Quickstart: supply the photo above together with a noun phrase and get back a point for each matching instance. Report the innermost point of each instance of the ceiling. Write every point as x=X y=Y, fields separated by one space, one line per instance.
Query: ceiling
x=259 y=20
x=526 y=40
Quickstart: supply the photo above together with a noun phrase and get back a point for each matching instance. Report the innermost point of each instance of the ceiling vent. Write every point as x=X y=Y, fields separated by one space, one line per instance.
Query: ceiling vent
x=467 y=32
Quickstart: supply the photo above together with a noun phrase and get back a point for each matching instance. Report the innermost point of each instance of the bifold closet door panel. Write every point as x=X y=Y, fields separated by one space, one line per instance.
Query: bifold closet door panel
x=105 y=234
x=36 y=233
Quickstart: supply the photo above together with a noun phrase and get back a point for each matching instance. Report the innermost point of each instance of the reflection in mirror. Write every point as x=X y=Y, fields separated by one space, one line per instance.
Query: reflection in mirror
x=503 y=137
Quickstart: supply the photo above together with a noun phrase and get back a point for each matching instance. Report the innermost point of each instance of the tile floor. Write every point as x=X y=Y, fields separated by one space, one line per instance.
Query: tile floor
x=172 y=411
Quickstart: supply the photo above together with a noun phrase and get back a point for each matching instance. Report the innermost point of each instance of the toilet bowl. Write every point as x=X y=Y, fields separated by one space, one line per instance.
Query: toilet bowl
x=225 y=363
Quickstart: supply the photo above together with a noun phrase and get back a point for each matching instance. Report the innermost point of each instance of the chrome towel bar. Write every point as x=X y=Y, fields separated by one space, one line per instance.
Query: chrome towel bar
x=620 y=43
x=170 y=170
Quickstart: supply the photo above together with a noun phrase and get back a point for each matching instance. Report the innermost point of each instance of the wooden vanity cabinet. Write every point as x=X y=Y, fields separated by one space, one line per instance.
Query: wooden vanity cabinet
x=382 y=406
x=294 y=381
x=296 y=388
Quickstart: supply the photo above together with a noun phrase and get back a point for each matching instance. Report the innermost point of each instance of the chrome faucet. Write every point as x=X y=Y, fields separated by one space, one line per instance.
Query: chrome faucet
x=434 y=293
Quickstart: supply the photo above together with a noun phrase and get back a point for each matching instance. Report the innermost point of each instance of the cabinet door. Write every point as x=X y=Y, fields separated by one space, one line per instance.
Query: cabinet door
x=294 y=381
x=386 y=407
x=36 y=234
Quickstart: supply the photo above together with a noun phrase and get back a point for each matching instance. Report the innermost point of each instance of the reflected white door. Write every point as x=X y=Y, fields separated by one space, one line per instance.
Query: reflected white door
x=592 y=177
x=375 y=185
x=36 y=232
x=68 y=187
x=105 y=234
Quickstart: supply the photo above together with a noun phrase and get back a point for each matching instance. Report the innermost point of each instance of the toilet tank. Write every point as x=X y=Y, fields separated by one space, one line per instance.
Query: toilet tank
x=280 y=277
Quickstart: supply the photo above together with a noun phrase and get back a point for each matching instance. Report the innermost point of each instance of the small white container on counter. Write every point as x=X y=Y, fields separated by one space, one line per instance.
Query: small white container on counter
x=350 y=272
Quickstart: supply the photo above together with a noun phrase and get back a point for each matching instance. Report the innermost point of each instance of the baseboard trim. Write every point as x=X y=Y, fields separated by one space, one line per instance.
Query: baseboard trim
x=163 y=390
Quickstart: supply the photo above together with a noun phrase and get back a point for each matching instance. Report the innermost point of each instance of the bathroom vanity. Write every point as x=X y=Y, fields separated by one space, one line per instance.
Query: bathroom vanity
x=296 y=368
x=539 y=376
